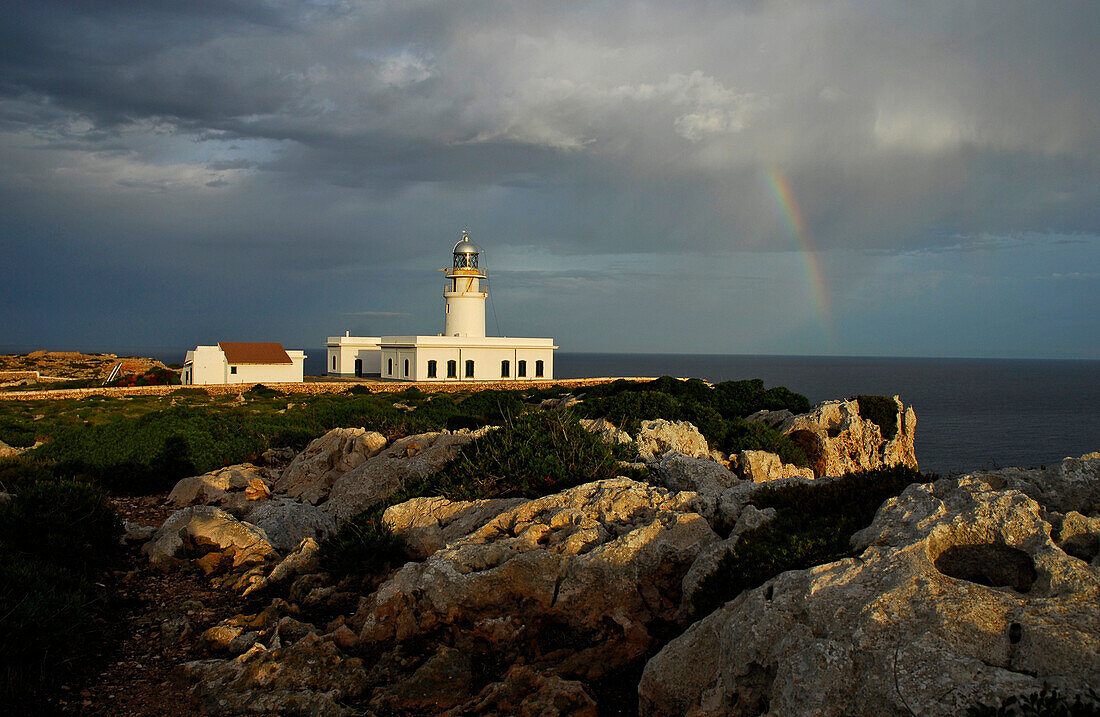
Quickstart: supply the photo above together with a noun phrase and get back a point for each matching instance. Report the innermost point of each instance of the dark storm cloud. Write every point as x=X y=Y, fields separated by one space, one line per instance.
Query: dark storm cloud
x=317 y=139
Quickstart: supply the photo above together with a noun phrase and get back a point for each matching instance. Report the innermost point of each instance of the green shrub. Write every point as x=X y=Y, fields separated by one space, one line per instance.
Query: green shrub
x=21 y=472
x=1045 y=703
x=66 y=522
x=536 y=454
x=262 y=391
x=813 y=525
x=882 y=411
x=16 y=433
x=364 y=545
x=742 y=436
x=43 y=620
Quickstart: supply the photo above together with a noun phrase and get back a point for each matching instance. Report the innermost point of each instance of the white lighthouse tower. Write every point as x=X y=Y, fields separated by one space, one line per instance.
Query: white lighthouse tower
x=462 y=352
x=465 y=301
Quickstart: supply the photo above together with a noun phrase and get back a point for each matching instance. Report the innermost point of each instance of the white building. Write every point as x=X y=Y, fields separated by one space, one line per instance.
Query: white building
x=462 y=352
x=354 y=355
x=242 y=362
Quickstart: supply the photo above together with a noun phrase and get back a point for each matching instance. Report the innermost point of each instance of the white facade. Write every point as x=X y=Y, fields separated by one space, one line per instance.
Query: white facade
x=207 y=365
x=461 y=353
x=448 y=359
x=350 y=356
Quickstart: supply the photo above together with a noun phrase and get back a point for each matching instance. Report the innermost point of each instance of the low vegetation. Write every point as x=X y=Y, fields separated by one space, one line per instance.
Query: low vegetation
x=55 y=535
x=718 y=412
x=813 y=525
x=882 y=411
x=1044 y=703
x=532 y=455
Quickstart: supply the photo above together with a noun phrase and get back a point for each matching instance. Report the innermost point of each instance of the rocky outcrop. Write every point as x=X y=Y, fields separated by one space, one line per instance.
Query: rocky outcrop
x=202 y=529
x=231 y=487
x=658 y=437
x=428 y=524
x=764 y=467
x=312 y=473
x=959 y=597
x=838 y=441
x=1065 y=486
x=287 y=523
x=406 y=462
x=595 y=567
x=676 y=471
x=311 y=676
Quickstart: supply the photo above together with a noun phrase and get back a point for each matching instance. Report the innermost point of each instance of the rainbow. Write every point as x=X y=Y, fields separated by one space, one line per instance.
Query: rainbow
x=788 y=207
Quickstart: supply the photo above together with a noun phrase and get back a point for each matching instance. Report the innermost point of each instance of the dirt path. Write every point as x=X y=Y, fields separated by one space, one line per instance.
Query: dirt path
x=151 y=622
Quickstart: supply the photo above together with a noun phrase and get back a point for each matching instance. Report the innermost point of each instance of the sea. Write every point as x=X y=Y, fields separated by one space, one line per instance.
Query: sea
x=971 y=413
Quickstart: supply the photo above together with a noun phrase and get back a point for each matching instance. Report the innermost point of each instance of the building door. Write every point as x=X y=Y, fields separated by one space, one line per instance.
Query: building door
x=358 y=368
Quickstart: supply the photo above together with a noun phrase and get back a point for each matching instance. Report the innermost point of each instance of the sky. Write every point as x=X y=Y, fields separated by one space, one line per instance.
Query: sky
x=876 y=177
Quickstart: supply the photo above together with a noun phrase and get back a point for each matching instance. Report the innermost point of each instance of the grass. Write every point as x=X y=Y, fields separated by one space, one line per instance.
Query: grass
x=814 y=524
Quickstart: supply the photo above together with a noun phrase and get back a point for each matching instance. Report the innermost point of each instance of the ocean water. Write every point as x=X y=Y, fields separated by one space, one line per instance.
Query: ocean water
x=971 y=413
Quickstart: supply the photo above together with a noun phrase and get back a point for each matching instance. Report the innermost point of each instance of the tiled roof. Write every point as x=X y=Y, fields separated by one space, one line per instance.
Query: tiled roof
x=238 y=352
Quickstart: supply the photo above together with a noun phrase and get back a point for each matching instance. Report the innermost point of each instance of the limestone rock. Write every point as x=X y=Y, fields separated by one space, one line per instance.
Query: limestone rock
x=838 y=441
x=659 y=437
x=772 y=419
x=406 y=462
x=599 y=563
x=1073 y=484
x=527 y=693
x=136 y=533
x=762 y=467
x=676 y=471
x=606 y=430
x=232 y=487
x=303 y=560
x=287 y=523
x=7 y=451
x=312 y=676
x=428 y=524
x=959 y=597
x=311 y=474
x=200 y=529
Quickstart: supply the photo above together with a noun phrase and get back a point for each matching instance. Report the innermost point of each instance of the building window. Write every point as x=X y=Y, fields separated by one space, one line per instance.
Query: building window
x=431 y=369
x=406 y=368
x=538 y=369
x=333 y=363
x=504 y=369
x=452 y=369
x=469 y=369
x=521 y=369
x=389 y=367
x=232 y=369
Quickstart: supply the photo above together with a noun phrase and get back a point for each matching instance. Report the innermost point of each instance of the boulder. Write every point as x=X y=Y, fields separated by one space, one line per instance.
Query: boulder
x=287 y=523
x=428 y=524
x=406 y=462
x=311 y=473
x=838 y=441
x=676 y=471
x=658 y=437
x=606 y=430
x=201 y=529
x=750 y=518
x=771 y=419
x=960 y=597
x=303 y=560
x=590 y=569
x=232 y=487
x=763 y=467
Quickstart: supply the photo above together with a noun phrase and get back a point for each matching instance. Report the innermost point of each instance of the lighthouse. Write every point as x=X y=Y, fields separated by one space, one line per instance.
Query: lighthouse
x=463 y=295
x=461 y=353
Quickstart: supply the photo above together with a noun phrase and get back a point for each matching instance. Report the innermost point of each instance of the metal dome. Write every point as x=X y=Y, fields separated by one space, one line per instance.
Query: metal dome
x=465 y=246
